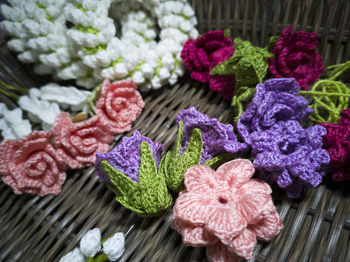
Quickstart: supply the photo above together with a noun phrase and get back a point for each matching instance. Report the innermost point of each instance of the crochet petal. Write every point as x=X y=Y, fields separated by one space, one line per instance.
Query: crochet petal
x=236 y=172
x=255 y=186
x=254 y=206
x=244 y=244
x=219 y=253
x=268 y=227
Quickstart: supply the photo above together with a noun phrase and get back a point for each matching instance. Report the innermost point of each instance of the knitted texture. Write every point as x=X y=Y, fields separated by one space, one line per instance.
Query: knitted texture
x=31 y=164
x=248 y=63
x=204 y=53
x=337 y=142
x=290 y=155
x=147 y=198
x=329 y=97
x=274 y=101
x=118 y=106
x=226 y=210
x=199 y=139
x=295 y=56
x=126 y=156
x=77 y=143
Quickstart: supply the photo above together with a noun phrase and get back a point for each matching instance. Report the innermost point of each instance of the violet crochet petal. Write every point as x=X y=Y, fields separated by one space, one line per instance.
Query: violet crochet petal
x=274 y=101
x=217 y=138
x=291 y=156
x=126 y=156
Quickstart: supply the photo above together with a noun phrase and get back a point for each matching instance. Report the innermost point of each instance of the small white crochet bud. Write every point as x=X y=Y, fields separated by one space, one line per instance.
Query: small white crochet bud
x=103 y=58
x=173 y=79
x=120 y=70
x=156 y=82
x=107 y=72
x=147 y=71
x=27 y=57
x=73 y=256
x=90 y=243
x=188 y=11
x=138 y=78
x=168 y=61
x=194 y=33
x=180 y=70
x=17 y=45
x=186 y=26
x=163 y=74
x=114 y=247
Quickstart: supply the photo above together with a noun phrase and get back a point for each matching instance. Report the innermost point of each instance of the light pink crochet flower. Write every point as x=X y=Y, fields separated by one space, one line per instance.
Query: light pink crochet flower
x=31 y=165
x=77 y=143
x=226 y=210
x=118 y=106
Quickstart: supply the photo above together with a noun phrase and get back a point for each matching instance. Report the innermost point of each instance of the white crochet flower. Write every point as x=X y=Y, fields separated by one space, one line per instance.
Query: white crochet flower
x=90 y=243
x=114 y=246
x=73 y=256
x=11 y=123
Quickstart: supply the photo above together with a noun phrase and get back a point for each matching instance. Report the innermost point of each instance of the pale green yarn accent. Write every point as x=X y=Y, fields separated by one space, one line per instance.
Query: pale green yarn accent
x=92 y=98
x=241 y=98
x=48 y=17
x=160 y=64
x=329 y=97
x=248 y=63
x=113 y=63
x=272 y=42
x=150 y=196
x=137 y=68
x=80 y=7
x=95 y=49
x=175 y=165
x=218 y=160
x=86 y=29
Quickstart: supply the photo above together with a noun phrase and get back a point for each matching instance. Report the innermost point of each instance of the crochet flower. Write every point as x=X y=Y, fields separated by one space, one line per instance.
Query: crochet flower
x=225 y=210
x=217 y=137
x=204 y=53
x=295 y=56
x=337 y=143
x=114 y=246
x=275 y=100
x=126 y=157
x=77 y=143
x=118 y=105
x=291 y=156
x=31 y=164
x=90 y=243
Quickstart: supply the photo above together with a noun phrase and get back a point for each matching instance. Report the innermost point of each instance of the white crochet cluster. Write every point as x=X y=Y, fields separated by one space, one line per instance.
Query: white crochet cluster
x=90 y=245
x=43 y=105
x=12 y=125
x=91 y=51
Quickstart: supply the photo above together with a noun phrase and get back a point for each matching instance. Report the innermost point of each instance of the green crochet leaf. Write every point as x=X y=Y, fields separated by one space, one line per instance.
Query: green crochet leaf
x=176 y=165
x=248 y=63
x=242 y=97
x=272 y=42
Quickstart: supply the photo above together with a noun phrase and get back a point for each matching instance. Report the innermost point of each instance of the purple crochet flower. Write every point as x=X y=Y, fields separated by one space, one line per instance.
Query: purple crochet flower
x=274 y=101
x=217 y=138
x=126 y=156
x=291 y=156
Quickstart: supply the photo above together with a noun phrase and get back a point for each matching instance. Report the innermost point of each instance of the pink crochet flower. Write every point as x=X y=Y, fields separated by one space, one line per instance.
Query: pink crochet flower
x=226 y=210
x=202 y=54
x=296 y=57
x=31 y=165
x=119 y=105
x=337 y=143
x=77 y=143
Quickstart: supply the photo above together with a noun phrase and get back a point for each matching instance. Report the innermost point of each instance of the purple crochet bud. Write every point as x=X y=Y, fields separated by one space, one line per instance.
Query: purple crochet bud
x=291 y=156
x=274 y=101
x=126 y=156
x=217 y=137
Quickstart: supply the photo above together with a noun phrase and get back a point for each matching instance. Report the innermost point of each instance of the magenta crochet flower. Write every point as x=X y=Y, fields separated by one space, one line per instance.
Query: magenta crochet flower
x=202 y=54
x=295 y=56
x=337 y=142
x=225 y=210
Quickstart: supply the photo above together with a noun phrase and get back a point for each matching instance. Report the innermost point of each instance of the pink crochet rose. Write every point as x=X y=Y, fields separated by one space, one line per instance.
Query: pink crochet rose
x=202 y=54
x=77 y=143
x=118 y=106
x=226 y=210
x=31 y=165
x=296 y=57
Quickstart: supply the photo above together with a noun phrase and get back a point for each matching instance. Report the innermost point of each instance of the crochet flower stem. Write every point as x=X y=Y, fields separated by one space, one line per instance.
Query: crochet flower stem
x=147 y=198
x=100 y=258
x=329 y=96
x=13 y=90
x=91 y=99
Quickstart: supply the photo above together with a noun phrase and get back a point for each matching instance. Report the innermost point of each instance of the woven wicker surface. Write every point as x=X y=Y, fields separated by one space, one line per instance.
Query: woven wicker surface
x=317 y=228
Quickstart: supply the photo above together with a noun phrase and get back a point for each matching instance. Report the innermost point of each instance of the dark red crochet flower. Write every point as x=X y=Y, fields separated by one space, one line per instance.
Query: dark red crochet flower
x=296 y=57
x=337 y=142
x=202 y=54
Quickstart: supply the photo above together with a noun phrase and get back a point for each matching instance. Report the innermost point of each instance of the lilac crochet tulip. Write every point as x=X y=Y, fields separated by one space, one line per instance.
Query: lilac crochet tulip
x=218 y=138
x=274 y=101
x=126 y=156
x=291 y=156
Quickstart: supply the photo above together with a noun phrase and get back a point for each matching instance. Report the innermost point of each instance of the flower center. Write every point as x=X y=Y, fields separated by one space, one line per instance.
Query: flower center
x=119 y=103
x=223 y=200
x=287 y=147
